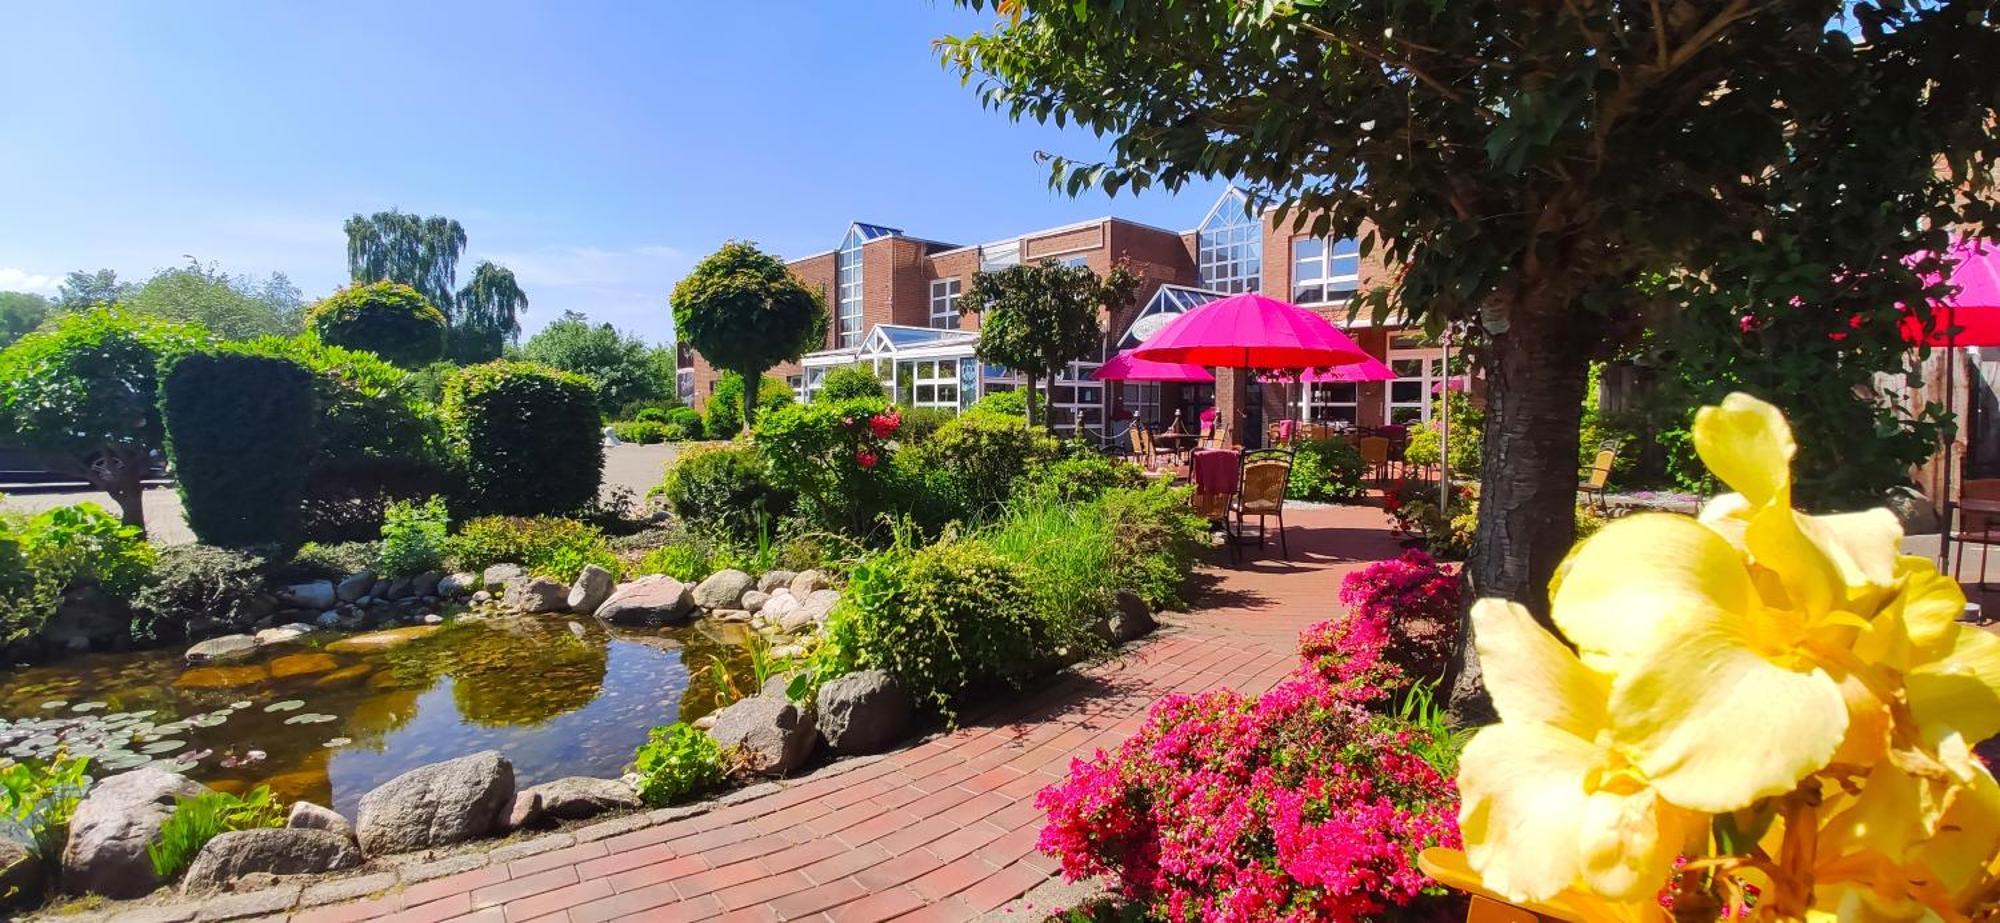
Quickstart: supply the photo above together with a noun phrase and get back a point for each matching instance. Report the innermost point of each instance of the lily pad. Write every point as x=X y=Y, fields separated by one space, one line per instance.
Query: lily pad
x=162 y=746
x=338 y=742
x=52 y=706
x=286 y=705
x=87 y=706
x=310 y=718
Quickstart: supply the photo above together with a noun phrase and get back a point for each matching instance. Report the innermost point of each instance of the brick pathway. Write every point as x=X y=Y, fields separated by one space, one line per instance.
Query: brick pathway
x=942 y=831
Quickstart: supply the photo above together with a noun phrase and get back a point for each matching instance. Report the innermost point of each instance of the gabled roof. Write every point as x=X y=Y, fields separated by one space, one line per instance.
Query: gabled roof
x=892 y=338
x=1169 y=302
x=872 y=231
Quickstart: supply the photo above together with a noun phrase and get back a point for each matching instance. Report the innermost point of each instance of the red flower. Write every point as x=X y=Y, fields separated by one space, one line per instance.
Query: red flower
x=884 y=425
x=1749 y=323
x=865 y=458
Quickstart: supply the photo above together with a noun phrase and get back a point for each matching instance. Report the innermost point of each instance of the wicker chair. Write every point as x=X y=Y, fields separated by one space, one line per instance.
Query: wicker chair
x=1375 y=451
x=1595 y=477
x=1260 y=492
x=1143 y=450
x=1982 y=529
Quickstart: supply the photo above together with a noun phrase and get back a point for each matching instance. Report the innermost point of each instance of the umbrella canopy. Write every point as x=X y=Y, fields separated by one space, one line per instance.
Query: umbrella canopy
x=1127 y=367
x=1369 y=369
x=1972 y=316
x=1251 y=331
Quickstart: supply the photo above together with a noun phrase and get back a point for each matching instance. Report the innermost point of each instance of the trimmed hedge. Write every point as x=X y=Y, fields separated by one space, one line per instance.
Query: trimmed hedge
x=848 y=382
x=727 y=488
x=527 y=438
x=389 y=319
x=241 y=432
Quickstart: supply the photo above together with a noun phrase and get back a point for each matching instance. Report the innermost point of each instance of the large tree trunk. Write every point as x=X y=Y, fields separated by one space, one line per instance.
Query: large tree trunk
x=750 y=383
x=121 y=472
x=1537 y=374
x=1030 y=379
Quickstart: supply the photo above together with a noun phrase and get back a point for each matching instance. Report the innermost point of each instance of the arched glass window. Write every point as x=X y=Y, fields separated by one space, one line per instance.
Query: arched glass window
x=1229 y=246
x=848 y=296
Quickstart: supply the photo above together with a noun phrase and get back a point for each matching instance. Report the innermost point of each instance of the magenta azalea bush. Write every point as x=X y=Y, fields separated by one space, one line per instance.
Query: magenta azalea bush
x=1301 y=804
x=1416 y=600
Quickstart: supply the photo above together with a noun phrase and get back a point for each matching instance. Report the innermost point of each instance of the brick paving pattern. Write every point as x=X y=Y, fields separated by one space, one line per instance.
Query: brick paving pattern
x=944 y=830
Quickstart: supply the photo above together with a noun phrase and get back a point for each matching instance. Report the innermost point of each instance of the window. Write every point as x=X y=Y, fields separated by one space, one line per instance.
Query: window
x=1419 y=374
x=1141 y=399
x=1077 y=261
x=684 y=385
x=848 y=272
x=944 y=304
x=798 y=385
x=1324 y=270
x=929 y=382
x=1075 y=400
x=1230 y=246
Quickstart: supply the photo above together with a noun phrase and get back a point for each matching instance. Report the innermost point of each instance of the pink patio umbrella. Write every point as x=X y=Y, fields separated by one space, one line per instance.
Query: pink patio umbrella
x=1252 y=331
x=1969 y=317
x=1368 y=369
x=1127 y=367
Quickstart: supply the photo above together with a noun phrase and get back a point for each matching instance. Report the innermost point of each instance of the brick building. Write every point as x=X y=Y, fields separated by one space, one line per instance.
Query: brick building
x=893 y=304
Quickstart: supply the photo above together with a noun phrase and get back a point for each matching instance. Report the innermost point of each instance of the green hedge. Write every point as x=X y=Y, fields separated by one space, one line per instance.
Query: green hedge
x=641 y=432
x=389 y=319
x=548 y=546
x=973 y=460
x=848 y=382
x=527 y=438
x=241 y=433
x=728 y=488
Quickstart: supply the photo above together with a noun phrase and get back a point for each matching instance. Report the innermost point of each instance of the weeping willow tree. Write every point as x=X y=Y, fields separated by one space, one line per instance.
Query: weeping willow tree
x=423 y=253
x=488 y=313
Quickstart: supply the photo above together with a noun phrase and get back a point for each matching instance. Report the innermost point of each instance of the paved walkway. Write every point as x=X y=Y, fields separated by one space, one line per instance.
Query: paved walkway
x=942 y=831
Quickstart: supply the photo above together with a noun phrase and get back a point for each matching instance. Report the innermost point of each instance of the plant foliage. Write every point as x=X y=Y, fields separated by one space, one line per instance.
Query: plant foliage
x=198 y=819
x=527 y=438
x=389 y=319
x=676 y=763
x=242 y=433
x=549 y=546
x=744 y=311
x=726 y=488
x=848 y=382
x=414 y=538
x=1038 y=318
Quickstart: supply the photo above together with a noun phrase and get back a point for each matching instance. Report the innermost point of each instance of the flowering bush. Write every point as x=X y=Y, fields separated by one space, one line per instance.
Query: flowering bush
x=1299 y=805
x=1416 y=600
x=831 y=455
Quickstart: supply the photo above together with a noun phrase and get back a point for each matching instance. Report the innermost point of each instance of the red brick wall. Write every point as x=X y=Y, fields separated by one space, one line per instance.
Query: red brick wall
x=957 y=264
x=1065 y=244
x=1159 y=257
x=908 y=284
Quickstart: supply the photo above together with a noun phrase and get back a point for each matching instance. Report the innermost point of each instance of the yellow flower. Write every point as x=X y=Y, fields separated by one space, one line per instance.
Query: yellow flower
x=1549 y=800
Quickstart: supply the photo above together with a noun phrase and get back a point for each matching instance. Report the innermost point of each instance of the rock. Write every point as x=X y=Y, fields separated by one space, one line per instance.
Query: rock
x=307 y=663
x=284 y=634
x=500 y=575
x=863 y=712
x=780 y=604
x=426 y=583
x=1131 y=620
x=457 y=585
x=380 y=640
x=432 y=618
x=380 y=589
x=355 y=586
x=482 y=597
x=806 y=582
x=754 y=600
x=226 y=649
x=111 y=828
x=775 y=580
x=318 y=594
x=86 y=617
x=730 y=615
x=328 y=619
x=592 y=587
x=648 y=601
x=820 y=604
x=223 y=677
x=795 y=620
x=723 y=589
x=788 y=651
x=270 y=851
x=778 y=686
x=22 y=875
x=436 y=805
x=579 y=797
x=773 y=734
x=705 y=722
x=524 y=809
x=398 y=589
x=365 y=601
x=536 y=596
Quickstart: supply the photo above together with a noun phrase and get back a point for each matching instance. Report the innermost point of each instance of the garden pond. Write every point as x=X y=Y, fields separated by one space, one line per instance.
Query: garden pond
x=331 y=717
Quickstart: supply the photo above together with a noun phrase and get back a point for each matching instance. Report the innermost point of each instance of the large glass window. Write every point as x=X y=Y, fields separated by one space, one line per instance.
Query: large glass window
x=1332 y=402
x=848 y=269
x=1420 y=375
x=929 y=382
x=1324 y=270
x=1229 y=247
x=944 y=304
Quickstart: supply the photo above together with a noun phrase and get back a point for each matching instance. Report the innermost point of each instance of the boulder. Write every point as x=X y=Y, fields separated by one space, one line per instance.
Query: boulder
x=226 y=649
x=456 y=585
x=592 y=587
x=775 y=580
x=780 y=603
x=318 y=594
x=773 y=734
x=820 y=605
x=399 y=588
x=380 y=589
x=729 y=615
x=111 y=828
x=87 y=617
x=22 y=875
x=794 y=620
x=308 y=816
x=355 y=586
x=863 y=712
x=648 y=601
x=500 y=575
x=524 y=809
x=580 y=797
x=284 y=634
x=436 y=805
x=268 y=851
x=537 y=596
x=805 y=582
x=380 y=640
x=753 y=600
x=1131 y=620
x=723 y=589
x=328 y=619
x=426 y=583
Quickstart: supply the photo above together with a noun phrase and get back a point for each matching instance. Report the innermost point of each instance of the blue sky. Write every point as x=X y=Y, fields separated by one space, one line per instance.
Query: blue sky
x=597 y=148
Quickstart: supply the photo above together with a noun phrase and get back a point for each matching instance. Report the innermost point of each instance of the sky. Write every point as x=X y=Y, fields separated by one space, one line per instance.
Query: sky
x=596 y=148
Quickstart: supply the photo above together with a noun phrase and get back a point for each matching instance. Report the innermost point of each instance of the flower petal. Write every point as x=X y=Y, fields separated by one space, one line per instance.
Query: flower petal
x=1522 y=808
x=1960 y=691
x=1630 y=841
x=1532 y=676
x=1748 y=445
x=1623 y=585
x=1716 y=725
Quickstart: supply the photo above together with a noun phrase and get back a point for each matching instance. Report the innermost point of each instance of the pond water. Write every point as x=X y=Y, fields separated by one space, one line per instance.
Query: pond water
x=330 y=717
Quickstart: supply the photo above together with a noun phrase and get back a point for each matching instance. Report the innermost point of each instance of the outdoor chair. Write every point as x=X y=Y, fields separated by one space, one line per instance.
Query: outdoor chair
x=1593 y=478
x=1975 y=527
x=1375 y=451
x=1260 y=492
x=1144 y=451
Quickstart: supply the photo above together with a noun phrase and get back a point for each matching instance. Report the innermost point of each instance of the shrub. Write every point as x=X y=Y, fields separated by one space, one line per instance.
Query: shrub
x=1079 y=478
x=527 y=438
x=1066 y=553
x=413 y=538
x=653 y=415
x=1003 y=404
x=389 y=319
x=1417 y=601
x=44 y=554
x=37 y=800
x=920 y=423
x=1158 y=537
x=200 y=581
x=940 y=620
x=641 y=432
x=683 y=423
x=1299 y=804
x=727 y=488
x=833 y=457
x=677 y=762
x=1327 y=470
x=547 y=546
x=725 y=410
x=242 y=434
x=203 y=817
x=847 y=382
x=332 y=561
x=977 y=456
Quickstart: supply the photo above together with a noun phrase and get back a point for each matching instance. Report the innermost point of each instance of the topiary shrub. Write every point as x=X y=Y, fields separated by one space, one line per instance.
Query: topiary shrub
x=389 y=319
x=848 y=382
x=653 y=415
x=684 y=423
x=527 y=438
x=640 y=432
x=200 y=582
x=241 y=431
x=920 y=423
x=976 y=457
x=727 y=488
x=1329 y=469
x=547 y=546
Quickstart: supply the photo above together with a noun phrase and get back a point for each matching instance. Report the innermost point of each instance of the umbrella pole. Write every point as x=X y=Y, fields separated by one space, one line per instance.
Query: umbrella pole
x=1444 y=432
x=1950 y=394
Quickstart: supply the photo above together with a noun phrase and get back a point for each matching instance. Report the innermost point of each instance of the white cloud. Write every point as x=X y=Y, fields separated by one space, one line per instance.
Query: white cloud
x=20 y=280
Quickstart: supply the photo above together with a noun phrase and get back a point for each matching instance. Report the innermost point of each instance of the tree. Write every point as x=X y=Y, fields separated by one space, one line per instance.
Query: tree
x=231 y=307
x=421 y=253
x=81 y=290
x=745 y=312
x=389 y=319
x=1535 y=164
x=1037 y=319
x=21 y=312
x=487 y=315
x=621 y=365
x=83 y=395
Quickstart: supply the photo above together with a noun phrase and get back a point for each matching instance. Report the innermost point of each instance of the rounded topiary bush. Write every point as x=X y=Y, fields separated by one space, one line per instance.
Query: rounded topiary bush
x=389 y=319
x=727 y=488
x=527 y=438
x=683 y=423
x=241 y=431
x=976 y=456
x=849 y=382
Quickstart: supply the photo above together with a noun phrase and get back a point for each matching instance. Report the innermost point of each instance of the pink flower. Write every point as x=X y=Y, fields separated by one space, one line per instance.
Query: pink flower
x=865 y=458
x=884 y=425
x=1749 y=323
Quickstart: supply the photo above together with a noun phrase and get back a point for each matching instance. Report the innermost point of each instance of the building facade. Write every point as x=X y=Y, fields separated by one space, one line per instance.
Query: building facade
x=892 y=301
